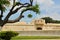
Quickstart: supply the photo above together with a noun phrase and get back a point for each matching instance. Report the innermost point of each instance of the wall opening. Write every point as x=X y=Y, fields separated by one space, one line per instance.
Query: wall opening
x=39 y=28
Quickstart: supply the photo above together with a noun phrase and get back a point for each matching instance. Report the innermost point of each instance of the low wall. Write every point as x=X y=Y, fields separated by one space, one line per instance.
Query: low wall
x=40 y=33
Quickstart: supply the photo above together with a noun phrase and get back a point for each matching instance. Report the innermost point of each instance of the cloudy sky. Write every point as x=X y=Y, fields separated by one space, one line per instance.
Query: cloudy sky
x=48 y=8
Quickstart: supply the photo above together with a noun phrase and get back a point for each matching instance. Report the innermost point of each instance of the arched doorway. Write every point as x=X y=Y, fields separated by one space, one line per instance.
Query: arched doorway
x=39 y=28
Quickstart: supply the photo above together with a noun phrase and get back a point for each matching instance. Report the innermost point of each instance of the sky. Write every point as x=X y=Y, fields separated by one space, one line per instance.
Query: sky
x=48 y=8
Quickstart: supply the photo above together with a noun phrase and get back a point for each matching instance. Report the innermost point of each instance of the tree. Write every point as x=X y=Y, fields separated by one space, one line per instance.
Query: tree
x=50 y=20
x=47 y=19
x=27 y=6
x=2 y=7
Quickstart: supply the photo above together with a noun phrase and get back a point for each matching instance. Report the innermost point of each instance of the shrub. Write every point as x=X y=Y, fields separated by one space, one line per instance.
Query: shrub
x=6 y=35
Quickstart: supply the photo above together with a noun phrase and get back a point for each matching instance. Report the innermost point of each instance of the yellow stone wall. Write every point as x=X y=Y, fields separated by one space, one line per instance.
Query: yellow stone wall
x=23 y=26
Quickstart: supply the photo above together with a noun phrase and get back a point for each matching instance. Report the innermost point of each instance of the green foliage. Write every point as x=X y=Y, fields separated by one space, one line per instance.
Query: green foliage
x=6 y=35
x=36 y=9
x=47 y=19
x=2 y=8
x=50 y=20
x=30 y=15
x=2 y=3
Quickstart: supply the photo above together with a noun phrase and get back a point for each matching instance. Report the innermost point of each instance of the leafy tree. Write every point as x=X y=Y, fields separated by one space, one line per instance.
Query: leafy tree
x=26 y=6
x=50 y=20
x=47 y=19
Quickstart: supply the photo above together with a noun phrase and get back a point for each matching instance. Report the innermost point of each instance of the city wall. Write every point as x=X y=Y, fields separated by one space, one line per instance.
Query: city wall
x=40 y=33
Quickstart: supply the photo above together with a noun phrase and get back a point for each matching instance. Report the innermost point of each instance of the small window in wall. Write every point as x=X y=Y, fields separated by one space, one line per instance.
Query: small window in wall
x=39 y=28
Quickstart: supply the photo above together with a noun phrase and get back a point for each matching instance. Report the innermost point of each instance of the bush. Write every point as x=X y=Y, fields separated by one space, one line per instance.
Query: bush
x=6 y=35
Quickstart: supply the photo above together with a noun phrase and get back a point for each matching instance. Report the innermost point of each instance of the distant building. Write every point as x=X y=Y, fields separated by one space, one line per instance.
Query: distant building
x=38 y=24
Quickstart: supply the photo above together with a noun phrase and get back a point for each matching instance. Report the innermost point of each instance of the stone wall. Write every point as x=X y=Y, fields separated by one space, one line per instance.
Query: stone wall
x=19 y=28
x=51 y=27
x=40 y=33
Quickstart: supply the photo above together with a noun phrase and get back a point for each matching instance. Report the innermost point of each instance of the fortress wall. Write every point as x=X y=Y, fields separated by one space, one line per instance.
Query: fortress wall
x=40 y=33
x=35 y=25
x=51 y=27
x=18 y=28
x=47 y=28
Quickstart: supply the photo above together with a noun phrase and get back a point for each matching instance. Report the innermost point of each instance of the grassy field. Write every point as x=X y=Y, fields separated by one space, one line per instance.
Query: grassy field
x=36 y=38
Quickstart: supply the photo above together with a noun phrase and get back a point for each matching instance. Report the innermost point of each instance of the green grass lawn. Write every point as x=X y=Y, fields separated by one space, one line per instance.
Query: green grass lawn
x=35 y=37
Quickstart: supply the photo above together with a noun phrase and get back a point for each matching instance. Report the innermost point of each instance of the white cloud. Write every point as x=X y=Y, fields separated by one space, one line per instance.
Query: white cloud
x=45 y=4
x=44 y=1
x=50 y=7
x=53 y=15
